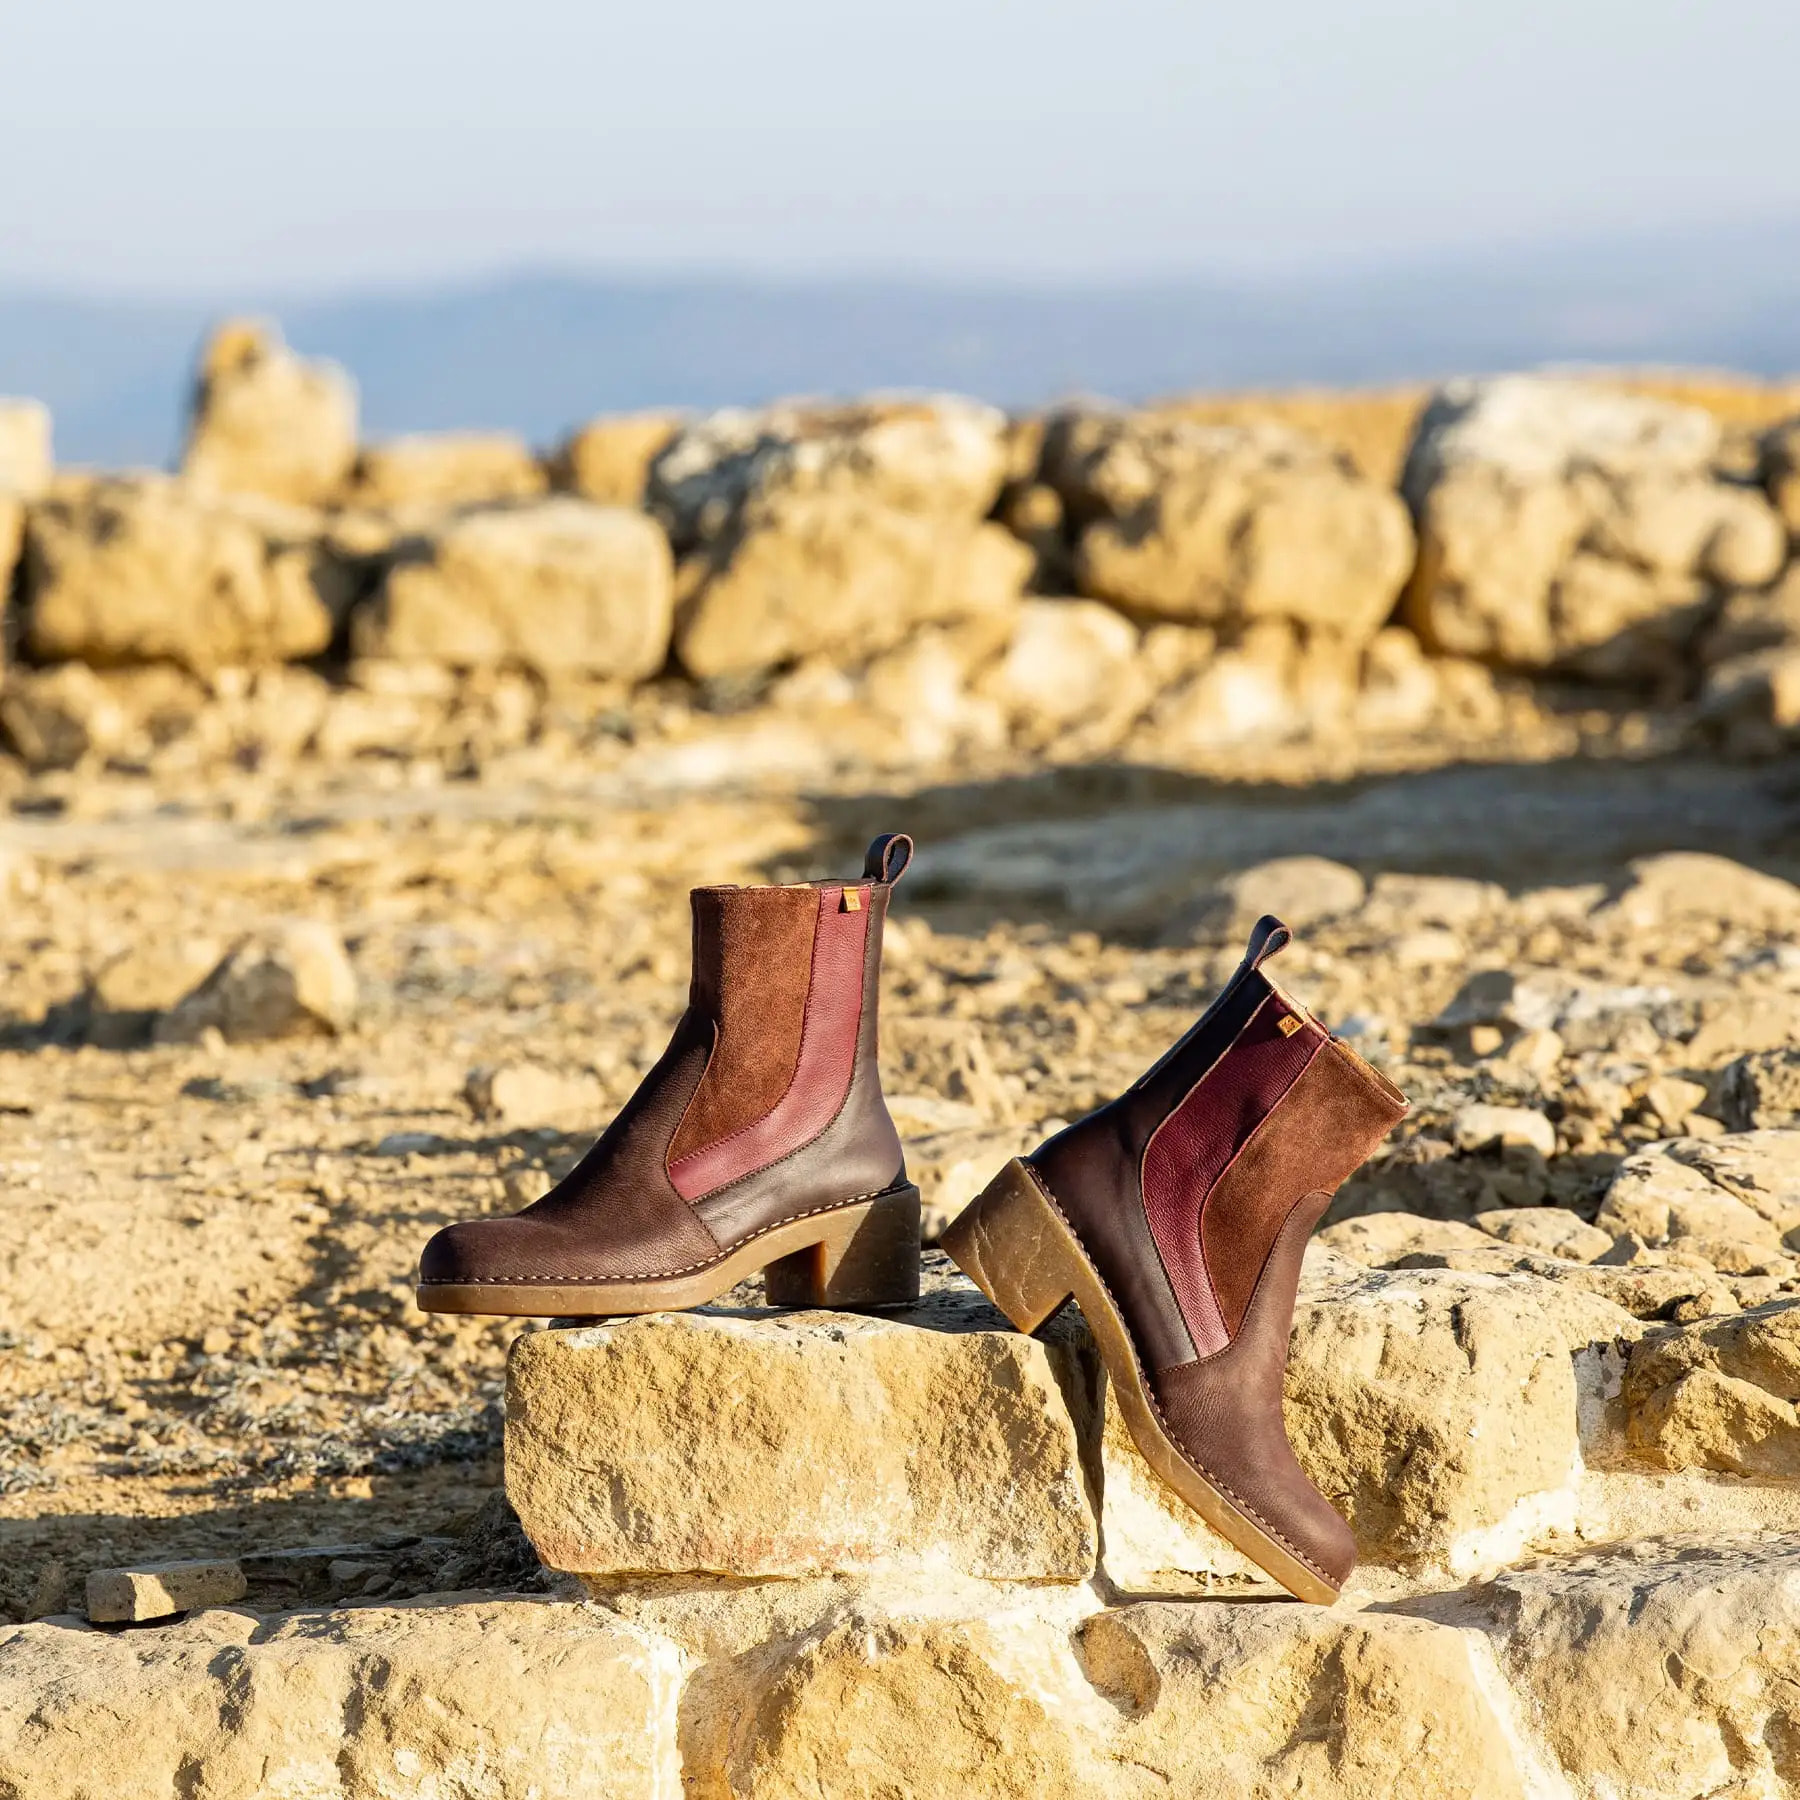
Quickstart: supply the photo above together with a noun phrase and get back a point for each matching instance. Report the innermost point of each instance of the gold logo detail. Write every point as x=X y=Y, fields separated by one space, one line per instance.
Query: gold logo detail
x=1289 y=1024
x=852 y=900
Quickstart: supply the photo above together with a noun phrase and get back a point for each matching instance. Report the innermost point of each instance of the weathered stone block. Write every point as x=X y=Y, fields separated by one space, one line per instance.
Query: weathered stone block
x=140 y=569
x=1666 y=1674
x=1227 y=524
x=1279 y=1700
x=158 y=1590
x=267 y=422
x=799 y=1444
x=509 y=1700
x=557 y=585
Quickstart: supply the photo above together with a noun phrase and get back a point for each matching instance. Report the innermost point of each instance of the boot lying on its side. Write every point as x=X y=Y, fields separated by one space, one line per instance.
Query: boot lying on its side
x=759 y=1141
x=1176 y=1215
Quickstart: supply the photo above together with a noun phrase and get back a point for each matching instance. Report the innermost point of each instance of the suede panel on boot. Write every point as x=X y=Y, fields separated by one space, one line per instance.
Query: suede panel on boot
x=752 y=959
x=1325 y=1128
x=827 y=1059
x=857 y=1151
x=615 y=1214
x=1195 y=1145
x=1225 y=1412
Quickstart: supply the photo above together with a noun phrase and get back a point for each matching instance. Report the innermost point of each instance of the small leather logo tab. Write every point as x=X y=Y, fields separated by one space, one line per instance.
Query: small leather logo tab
x=1287 y=1024
x=852 y=900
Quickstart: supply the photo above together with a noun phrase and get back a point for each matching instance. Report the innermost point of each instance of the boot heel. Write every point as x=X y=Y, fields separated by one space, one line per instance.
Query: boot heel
x=1011 y=1244
x=866 y=1256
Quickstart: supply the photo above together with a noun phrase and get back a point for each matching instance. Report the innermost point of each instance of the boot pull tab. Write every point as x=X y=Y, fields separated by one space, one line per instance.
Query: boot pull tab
x=888 y=857
x=1268 y=937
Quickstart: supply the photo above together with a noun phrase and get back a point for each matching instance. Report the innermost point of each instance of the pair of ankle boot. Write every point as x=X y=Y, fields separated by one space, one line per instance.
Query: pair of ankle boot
x=1174 y=1215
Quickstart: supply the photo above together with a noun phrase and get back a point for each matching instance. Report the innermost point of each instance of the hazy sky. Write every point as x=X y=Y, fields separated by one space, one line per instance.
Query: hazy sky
x=199 y=146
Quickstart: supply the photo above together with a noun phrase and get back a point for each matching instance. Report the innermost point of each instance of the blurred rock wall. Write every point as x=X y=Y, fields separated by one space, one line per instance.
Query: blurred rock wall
x=922 y=576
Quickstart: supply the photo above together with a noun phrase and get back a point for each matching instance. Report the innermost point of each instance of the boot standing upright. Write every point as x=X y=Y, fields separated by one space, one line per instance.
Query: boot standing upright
x=760 y=1140
x=1176 y=1215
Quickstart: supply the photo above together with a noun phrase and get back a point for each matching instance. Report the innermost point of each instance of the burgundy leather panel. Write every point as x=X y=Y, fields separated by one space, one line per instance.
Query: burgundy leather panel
x=1195 y=1144
x=1093 y=1168
x=825 y=1065
x=857 y=1153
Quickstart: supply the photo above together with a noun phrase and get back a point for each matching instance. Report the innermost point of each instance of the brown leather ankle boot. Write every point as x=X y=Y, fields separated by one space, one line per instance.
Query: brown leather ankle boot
x=760 y=1140
x=1176 y=1216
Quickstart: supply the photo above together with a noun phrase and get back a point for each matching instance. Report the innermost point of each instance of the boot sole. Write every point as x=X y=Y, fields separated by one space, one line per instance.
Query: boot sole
x=1013 y=1242
x=862 y=1254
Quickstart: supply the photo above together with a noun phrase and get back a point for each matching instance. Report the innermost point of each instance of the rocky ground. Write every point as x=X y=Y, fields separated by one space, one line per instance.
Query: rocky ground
x=1585 y=972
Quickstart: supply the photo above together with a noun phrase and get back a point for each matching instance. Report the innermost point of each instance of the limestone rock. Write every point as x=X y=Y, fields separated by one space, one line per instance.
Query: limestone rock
x=1568 y=527
x=25 y=459
x=1665 y=1671
x=1750 y=693
x=266 y=422
x=445 y=469
x=833 y=530
x=951 y=1167
x=553 y=585
x=1302 y=891
x=868 y=1705
x=1400 y=903
x=797 y=1444
x=1291 y=1700
x=1066 y=661
x=1585 y=1014
x=1761 y=1089
x=1718 y=1394
x=1437 y=1411
x=160 y=1590
x=130 y=990
x=1227 y=524
x=1377 y=1239
x=608 y=460
x=1477 y=1126
x=515 y=1094
x=1744 y=1189
x=833 y=573
x=916 y=700
x=142 y=569
x=292 y=980
x=941 y=458
x=1683 y=886
x=12 y=541
x=511 y=1700
x=61 y=717
x=1546 y=1231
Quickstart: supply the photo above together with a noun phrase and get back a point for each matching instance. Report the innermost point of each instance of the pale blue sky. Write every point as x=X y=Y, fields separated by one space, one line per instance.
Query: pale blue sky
x=194 y=146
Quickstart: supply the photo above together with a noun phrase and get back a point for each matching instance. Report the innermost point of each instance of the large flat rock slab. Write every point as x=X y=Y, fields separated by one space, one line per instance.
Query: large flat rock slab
x=1659 y=1671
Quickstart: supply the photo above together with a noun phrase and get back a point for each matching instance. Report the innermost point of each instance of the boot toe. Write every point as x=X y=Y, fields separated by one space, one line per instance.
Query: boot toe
x=472 y=1250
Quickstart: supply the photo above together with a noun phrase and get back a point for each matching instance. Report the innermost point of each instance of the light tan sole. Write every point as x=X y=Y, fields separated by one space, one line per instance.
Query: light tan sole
x=1014 y=1244
x=861 y=1255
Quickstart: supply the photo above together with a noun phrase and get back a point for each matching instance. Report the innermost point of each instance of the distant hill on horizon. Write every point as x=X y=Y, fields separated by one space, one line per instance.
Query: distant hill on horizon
x=539 y=351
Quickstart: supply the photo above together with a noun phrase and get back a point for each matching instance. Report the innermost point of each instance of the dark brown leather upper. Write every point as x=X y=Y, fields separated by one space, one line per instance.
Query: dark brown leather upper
x=615 y=1215
x=1225 y=1411
x=618 y=1214
x=1093 y=1168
